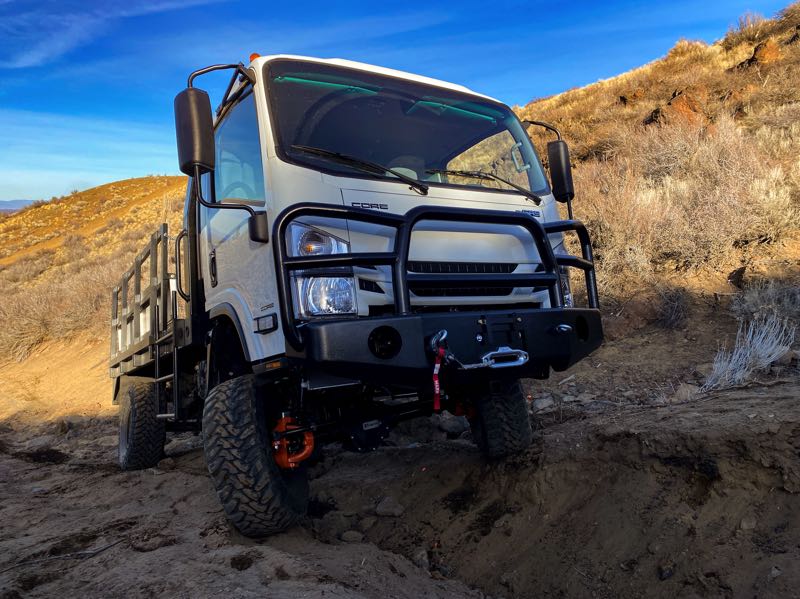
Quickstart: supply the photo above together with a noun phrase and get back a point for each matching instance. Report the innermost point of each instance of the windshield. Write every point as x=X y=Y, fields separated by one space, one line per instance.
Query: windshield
x=421 y=131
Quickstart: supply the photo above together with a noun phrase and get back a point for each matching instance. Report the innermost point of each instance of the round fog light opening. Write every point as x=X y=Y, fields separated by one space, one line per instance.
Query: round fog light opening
x=385 y=342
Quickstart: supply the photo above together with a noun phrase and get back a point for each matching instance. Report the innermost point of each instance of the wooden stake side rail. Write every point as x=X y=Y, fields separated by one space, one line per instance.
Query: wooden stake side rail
x=142 y=319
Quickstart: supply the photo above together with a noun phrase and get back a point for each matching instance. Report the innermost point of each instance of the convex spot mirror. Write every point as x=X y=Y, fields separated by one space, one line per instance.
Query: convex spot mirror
x=258 y=227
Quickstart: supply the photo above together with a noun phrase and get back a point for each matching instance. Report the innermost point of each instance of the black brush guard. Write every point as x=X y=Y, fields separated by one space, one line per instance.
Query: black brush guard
x=397 y=349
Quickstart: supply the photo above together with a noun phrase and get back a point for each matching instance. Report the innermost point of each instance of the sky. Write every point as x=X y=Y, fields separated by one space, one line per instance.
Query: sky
x=86 y=88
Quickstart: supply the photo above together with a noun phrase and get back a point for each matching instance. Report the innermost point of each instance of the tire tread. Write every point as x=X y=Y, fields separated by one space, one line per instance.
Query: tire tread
x=145 y=446
x=503 y=426
x=247 y=480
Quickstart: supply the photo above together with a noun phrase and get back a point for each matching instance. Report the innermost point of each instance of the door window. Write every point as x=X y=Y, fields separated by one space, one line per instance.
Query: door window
x=239 y=174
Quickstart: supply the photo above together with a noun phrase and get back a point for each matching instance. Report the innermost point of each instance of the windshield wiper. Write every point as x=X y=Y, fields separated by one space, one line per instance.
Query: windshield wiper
x=487 y=177
x=364 y=165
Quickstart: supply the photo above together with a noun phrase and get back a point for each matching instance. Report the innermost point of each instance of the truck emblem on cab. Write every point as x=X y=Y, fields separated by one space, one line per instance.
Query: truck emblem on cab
x=369 y=205
x=533 y=213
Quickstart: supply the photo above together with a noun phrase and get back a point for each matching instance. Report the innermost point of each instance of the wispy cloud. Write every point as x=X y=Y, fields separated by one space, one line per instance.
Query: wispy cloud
x=32 y=32
x=238 y=38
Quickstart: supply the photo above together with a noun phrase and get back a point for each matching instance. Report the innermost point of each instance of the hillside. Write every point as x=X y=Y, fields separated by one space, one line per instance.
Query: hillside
x=59 y=259
x=689 y=161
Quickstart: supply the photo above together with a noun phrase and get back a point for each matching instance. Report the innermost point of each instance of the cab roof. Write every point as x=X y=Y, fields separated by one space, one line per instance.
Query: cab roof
x=362 y=66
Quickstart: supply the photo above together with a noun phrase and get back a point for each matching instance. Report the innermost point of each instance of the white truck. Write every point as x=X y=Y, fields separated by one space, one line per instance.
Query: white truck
x=360 y=245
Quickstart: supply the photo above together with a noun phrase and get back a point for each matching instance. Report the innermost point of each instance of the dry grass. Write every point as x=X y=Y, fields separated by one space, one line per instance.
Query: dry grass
x=713 y=176
x=768 y=298
x=750 y=28
x=28 y=267
x=673 y=307
x=64 y=286
x=675 y=198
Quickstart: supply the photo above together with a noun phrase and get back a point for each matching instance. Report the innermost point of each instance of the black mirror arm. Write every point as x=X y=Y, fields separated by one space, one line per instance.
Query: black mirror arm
x=547 y=126
x=257 y=229
x=239 y=68
x=198 y=193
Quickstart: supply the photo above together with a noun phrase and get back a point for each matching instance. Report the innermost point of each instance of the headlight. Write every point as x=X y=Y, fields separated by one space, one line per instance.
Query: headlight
x=324 y=296
x=321 y=295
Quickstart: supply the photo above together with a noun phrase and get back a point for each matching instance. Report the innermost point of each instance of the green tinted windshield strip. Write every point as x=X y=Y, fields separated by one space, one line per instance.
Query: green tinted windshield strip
x=445 y=107
x=328 y=84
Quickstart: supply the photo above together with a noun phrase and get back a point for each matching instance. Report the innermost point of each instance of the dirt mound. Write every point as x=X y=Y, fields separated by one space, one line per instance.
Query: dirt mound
x=80 y=527
x=698 y=499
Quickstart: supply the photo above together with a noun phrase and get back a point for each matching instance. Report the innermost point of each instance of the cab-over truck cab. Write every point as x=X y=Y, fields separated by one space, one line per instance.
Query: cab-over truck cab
x=360 y=245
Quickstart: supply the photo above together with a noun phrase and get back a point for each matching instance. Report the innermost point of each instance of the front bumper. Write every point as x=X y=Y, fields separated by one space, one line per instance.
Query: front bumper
x=396 y=350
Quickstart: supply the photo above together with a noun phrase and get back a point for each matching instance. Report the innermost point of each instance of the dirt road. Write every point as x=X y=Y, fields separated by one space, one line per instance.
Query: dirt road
x=699 y=499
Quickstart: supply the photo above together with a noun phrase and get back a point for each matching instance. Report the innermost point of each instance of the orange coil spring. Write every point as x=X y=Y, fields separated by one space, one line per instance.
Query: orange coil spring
x=280 y=447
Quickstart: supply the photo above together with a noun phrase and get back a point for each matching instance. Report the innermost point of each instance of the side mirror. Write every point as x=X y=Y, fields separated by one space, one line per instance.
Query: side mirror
x=560 y=170
x=194 y=130
x=258 y=226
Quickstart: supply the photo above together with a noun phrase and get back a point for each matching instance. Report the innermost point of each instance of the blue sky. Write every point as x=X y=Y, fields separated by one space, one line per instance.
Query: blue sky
x=86 y=87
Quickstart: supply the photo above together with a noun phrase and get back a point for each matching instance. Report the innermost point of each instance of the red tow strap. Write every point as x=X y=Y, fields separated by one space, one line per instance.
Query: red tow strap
x=437 y=389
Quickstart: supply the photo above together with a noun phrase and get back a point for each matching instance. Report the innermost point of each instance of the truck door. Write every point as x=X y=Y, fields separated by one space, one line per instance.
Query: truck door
x=236 y=269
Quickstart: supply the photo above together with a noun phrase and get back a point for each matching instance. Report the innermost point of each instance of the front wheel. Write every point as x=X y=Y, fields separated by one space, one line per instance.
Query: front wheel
x=501 y=426
x=258 y=497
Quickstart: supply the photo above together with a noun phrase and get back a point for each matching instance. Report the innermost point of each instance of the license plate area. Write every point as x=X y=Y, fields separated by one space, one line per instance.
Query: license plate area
x=501 y=330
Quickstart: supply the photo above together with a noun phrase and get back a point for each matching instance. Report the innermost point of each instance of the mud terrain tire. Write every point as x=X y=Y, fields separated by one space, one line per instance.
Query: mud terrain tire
x=141 y=434
x=258 y=497
x=502 y=427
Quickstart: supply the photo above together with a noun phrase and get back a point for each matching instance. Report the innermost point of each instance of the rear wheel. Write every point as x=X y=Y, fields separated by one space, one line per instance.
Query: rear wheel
x=258 y=497
x=141 y=434
x=501 y=426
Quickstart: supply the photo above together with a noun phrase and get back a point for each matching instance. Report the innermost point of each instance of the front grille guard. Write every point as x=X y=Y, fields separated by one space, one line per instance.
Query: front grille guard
x=548 y=277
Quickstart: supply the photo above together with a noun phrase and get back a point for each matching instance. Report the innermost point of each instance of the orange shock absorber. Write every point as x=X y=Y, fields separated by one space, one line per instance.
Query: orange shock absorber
x=283 y=458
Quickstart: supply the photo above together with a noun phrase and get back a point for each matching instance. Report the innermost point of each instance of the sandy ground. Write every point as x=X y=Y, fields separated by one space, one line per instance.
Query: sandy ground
x=621 y=497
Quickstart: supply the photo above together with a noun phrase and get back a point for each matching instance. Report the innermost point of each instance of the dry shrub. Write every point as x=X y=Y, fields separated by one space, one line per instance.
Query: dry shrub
x=673 y=307
x=57 y=309
x=72 y=249
x=689 y=49
x=682 y=196
x=790 y=16
x=61 y=292
x=750 y=29
x=27 y=268
x=764 y=298
x=113 y=224
x=758 y=344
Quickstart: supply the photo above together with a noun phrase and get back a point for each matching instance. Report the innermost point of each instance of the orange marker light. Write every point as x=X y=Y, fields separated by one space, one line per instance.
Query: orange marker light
x=254 y=55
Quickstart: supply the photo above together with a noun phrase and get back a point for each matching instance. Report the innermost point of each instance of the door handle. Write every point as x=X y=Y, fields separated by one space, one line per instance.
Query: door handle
x=212 y=267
